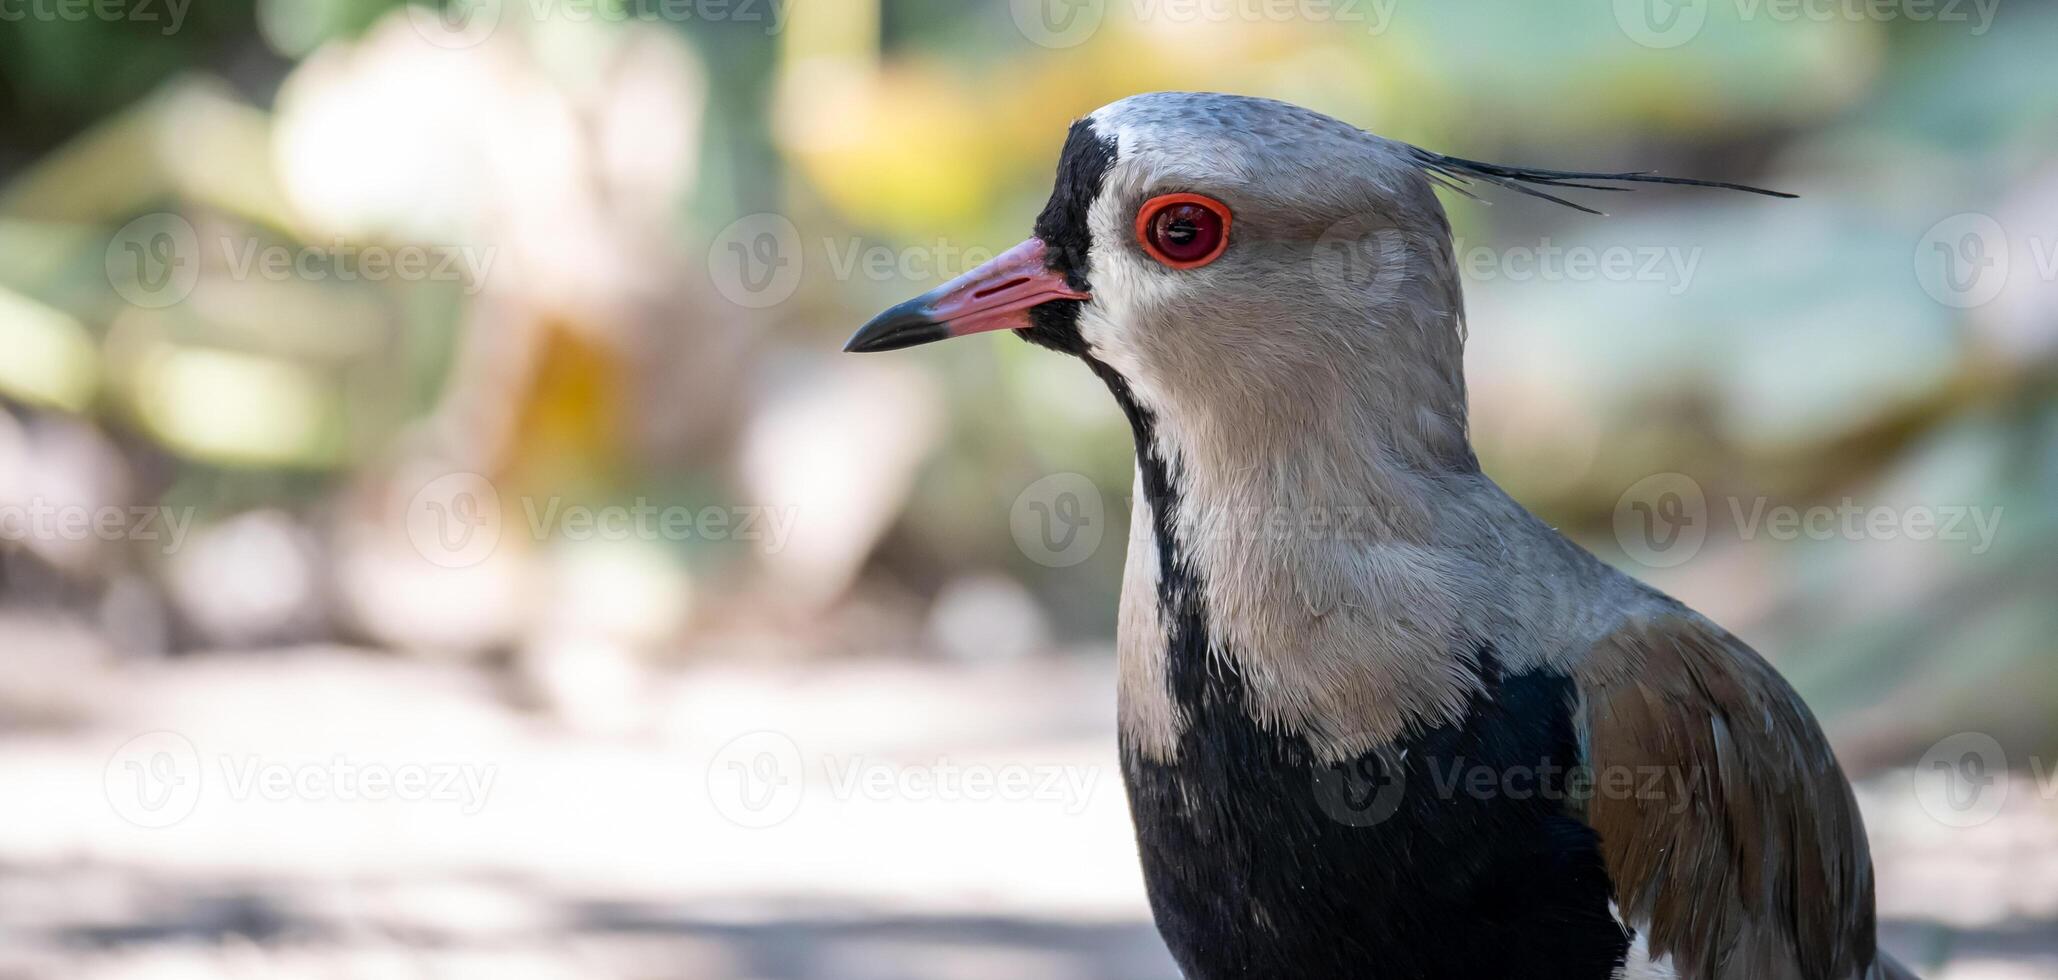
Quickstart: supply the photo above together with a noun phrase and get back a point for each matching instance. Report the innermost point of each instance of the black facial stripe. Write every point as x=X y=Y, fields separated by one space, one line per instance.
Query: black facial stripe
x=1082 y=169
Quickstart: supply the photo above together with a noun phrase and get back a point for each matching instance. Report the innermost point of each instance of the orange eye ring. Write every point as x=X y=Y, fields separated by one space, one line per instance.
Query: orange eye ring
x=1183 y=231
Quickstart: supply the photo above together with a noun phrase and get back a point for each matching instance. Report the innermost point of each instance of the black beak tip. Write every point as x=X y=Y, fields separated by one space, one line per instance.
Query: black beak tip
x=906 y=325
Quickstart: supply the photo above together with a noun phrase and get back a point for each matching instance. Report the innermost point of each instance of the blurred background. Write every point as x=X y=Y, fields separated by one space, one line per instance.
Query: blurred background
x=439 y=537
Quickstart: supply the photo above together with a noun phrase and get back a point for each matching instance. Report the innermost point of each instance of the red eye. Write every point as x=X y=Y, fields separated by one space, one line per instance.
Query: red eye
x=1183 y=231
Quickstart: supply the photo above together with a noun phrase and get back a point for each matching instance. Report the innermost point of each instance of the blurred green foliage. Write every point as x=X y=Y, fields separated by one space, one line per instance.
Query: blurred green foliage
x=1801 y=361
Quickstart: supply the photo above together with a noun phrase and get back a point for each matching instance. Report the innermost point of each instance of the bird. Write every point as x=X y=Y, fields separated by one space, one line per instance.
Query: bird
x=1417 y=733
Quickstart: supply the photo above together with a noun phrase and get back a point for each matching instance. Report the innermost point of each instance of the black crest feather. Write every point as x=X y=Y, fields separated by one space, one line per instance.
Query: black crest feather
x=1457 y=173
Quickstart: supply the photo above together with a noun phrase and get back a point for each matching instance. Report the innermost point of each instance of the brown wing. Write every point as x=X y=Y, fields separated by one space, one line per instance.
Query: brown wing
x=1761 y=870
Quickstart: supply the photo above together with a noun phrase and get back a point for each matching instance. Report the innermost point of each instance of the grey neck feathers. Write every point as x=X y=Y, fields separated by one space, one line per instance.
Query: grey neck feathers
x=1346 y=549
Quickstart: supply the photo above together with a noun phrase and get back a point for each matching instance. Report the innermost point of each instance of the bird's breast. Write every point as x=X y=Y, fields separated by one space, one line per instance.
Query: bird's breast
x=1412 y=860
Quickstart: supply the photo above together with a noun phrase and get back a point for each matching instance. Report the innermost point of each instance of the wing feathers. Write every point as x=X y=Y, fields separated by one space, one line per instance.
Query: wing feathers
x=1761 y=870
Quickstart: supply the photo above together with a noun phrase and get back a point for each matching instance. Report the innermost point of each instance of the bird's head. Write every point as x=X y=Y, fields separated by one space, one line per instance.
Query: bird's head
x=1220 y=259
x=1199 y=243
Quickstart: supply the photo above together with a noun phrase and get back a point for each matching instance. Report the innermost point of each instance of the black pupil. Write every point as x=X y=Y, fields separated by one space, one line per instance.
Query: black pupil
x=1185 y=232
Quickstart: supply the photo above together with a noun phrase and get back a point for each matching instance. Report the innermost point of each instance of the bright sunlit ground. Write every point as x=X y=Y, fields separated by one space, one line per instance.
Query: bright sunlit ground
x=332 y=812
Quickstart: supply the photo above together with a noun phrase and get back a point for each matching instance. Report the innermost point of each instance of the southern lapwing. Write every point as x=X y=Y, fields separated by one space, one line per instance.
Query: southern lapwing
x=1378 y=720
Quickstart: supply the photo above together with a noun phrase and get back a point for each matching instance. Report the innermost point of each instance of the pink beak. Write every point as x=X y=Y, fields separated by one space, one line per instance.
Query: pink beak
x=995 y=296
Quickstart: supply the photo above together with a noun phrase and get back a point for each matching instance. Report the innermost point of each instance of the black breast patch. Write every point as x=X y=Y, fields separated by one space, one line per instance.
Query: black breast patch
x=1414 y=861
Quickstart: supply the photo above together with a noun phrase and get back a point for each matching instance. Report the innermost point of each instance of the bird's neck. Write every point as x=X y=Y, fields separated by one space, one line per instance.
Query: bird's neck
x=1295 y=542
